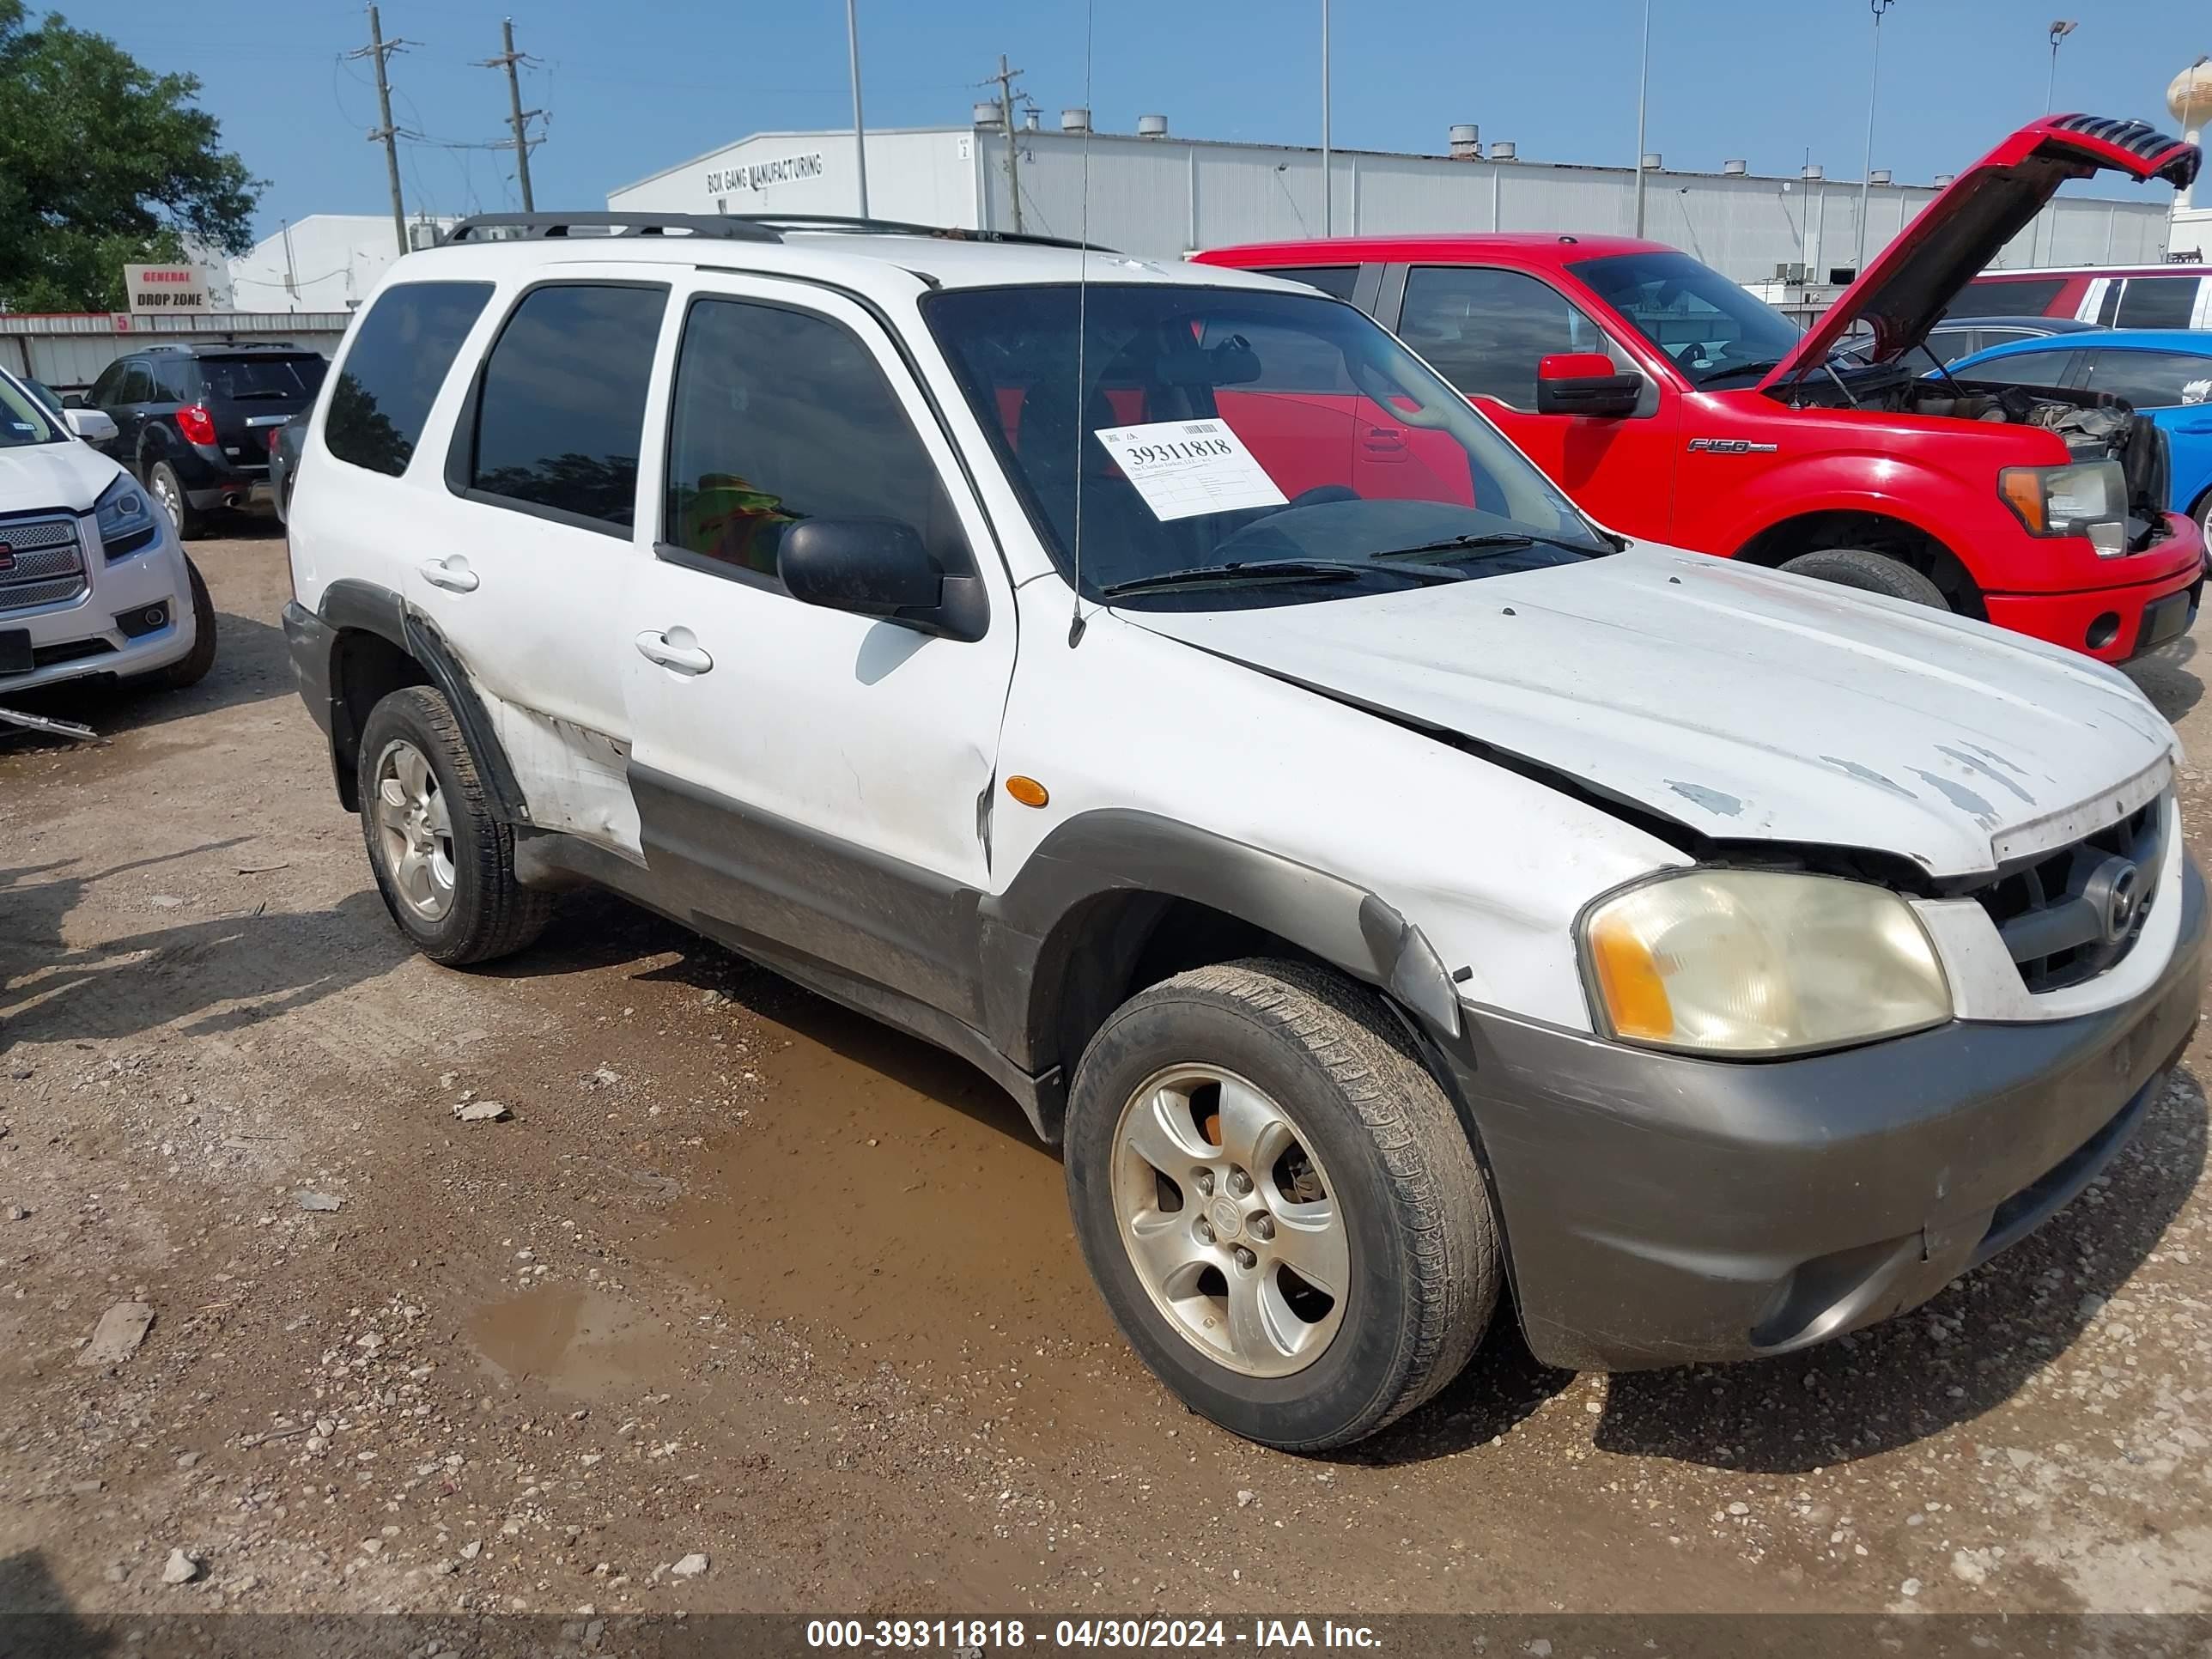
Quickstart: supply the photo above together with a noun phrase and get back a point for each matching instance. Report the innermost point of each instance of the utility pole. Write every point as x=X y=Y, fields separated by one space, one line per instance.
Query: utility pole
x=1004 y=77
x=518 y=118
x=378 y=48
x=860 y=126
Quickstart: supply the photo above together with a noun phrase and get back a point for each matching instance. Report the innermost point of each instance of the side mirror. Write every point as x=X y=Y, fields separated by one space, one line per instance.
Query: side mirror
x=1585 y=383
x=879 y=568
x=74 y=400
x=92 y=425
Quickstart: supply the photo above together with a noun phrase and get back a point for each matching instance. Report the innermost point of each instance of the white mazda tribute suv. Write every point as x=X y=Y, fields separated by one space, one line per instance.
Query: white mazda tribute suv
x=1152 y=682
x=93 y=582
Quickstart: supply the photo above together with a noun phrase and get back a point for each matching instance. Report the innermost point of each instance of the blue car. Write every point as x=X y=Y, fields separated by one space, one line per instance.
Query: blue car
x=2166 y=373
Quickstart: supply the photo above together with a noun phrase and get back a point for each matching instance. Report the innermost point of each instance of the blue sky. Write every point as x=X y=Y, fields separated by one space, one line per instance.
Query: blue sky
x=637 y=86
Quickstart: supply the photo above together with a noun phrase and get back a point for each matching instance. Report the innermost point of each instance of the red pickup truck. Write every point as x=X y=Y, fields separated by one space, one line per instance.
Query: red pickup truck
x=1675 y=406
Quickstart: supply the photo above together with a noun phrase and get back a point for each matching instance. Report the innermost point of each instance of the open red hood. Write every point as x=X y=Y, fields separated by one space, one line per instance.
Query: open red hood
x=1908 y=284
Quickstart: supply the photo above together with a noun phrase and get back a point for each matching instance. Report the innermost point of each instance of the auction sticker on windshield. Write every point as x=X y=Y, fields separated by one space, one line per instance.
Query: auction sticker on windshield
x=1185 y=468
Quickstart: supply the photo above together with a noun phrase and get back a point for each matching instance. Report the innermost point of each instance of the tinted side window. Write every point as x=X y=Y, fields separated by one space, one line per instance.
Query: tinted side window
x=2108 y=308
x=779 y=415
x=175 y=380
x=2030 y=296
x=138 y=386
x=102 y=390
x=1486 y=330
x=1335 y=280
x=2151 y=380
x=2046 y=368
x=2158 y=302
x=392 y=373
x=562 y=409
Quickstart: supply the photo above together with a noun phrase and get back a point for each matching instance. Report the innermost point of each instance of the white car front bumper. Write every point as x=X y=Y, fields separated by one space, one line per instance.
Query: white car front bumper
x=79 y=615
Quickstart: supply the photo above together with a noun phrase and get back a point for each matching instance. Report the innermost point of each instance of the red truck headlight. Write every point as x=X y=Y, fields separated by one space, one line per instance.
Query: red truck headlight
x=2088 y=498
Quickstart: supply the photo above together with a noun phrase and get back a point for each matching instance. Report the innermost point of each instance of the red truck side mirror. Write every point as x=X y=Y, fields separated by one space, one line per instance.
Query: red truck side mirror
x=1585 y=383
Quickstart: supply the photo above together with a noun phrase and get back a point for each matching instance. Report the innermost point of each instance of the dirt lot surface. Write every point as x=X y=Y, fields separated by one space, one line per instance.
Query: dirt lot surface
x=746 y=1278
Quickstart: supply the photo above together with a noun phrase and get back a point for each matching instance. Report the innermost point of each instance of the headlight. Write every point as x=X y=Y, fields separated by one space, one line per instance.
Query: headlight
x=2087 y=499
x=1759 y=962
x=124 y=514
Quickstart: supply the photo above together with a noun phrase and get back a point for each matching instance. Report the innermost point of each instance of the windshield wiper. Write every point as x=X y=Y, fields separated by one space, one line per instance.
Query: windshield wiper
x=1496 y=541
x=264 y=391
x=1327 y=570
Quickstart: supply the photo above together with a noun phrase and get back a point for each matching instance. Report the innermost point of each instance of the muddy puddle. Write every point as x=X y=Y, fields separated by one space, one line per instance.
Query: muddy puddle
x=579 y=1341
x=886 y=1189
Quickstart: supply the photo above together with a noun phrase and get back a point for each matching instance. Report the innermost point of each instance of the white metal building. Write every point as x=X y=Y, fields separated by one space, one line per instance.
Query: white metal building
x=324 y=262
x=1162 y=197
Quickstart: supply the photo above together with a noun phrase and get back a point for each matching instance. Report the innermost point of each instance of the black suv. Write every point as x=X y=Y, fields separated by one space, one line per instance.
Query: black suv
x=194 y=422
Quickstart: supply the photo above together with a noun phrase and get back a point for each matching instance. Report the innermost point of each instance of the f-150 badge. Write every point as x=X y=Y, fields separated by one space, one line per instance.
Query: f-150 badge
x=1730 y=447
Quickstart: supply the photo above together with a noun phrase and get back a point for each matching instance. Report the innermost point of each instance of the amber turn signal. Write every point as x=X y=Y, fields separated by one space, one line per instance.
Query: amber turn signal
x=1629 y=979
x=1028 y=791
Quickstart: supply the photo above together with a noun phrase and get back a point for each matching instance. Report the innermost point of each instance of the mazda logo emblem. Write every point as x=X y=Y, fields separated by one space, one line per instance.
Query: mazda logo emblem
x=2114 y=889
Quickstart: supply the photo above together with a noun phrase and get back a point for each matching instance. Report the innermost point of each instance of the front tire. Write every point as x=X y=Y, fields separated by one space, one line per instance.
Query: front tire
x=444 y=864
x=1869 y=573
x=1238 y=1138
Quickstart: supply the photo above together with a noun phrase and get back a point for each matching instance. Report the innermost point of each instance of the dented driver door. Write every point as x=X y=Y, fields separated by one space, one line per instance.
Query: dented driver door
x=806 y=777
x=522 y=585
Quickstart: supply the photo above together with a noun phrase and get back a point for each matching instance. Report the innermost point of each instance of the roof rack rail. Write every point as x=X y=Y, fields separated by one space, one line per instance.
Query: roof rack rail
x=903 y=227
x=531 y=227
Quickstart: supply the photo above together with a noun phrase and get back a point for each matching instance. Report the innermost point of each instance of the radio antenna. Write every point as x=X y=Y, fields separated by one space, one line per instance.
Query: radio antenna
x=1082 y=319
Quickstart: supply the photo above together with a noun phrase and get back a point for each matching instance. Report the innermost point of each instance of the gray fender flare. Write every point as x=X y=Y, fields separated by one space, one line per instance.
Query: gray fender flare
x=371 y=608
x=1035 y=945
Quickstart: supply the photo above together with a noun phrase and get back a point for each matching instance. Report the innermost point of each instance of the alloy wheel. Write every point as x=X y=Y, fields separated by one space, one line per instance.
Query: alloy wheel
x=415 y=829
x=1230 y=1220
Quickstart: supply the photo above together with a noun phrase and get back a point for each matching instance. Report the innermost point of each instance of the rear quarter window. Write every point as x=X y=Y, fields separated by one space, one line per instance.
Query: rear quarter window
x=399 y=358
x=1336 y=281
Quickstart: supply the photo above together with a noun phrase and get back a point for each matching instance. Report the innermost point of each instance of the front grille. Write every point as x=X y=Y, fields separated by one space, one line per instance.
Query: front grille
x=45 y=563
x=2055 y=912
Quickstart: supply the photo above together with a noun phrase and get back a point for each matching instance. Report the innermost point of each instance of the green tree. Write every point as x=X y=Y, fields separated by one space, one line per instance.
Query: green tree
x=103 y=163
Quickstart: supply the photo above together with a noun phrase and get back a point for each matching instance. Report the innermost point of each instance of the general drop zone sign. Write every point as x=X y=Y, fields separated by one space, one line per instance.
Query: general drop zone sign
x=156 y=288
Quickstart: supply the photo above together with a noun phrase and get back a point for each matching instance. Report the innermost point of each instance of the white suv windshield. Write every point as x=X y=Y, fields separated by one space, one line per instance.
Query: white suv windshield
x=24 y=419
x=1281 y=445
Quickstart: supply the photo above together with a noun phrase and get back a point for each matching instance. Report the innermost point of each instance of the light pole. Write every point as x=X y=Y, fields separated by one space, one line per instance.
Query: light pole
x=1874 y=86
x=1643 y=85
x=1328 y=191
x=859 y=137
x=2060 y=28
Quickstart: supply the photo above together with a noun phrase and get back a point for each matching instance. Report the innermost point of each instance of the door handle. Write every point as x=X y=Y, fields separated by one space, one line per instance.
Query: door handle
x=452 y=573
x=1385 y=443
x=677 y=649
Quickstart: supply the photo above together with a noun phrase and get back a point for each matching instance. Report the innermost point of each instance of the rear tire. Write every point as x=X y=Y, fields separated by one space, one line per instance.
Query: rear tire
x=444 y=864
x=1869 y=573
x=191 y=669
x=184 y=519
x=1320 y=1066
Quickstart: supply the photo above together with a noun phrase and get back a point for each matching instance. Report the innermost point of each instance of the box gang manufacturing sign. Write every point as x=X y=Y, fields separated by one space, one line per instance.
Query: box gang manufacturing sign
x=763 y=175
x=156 y=288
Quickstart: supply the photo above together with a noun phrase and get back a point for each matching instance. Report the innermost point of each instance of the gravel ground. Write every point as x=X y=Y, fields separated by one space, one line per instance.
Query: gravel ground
x=747 y=1304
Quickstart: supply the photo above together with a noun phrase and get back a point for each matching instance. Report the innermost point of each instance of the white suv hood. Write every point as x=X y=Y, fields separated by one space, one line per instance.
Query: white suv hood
x=67 y=476
x=1743 y=704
